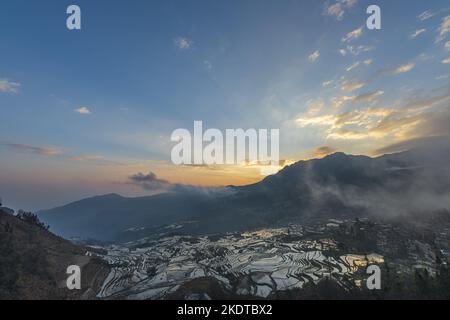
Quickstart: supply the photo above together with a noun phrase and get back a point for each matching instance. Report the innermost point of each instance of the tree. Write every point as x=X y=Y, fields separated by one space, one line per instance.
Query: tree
x=31 y=218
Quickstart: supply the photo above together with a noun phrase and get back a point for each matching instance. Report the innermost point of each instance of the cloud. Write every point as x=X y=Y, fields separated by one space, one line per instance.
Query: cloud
x=315 y=106
x=356 y=50
x=338 y=8
x=86 y=158
x=353 y=35
x=327 y=83
x=368 y=97
x=418 y=118
x=426 y=15
x=417 y=33
x=353 y=66
x=376 y=123
x=323 y=151
x=149 y=181
x=325 y=120
x=363 y=98
x=57 y=152
x=8 y=86
x=340 y=101
x=399 y=69
x=83 y=110
x=314 y=56
x=182 y=43
x=446 y=61
x=410 y=144
x=208 y=64
x=442 y=77
x=42 y=151
x=443 y=29
x=404 y=68
x=358 y=63
x=352 y=85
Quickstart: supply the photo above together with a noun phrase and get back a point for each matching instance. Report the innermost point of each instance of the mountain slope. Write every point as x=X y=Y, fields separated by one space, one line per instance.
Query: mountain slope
x=33 y=263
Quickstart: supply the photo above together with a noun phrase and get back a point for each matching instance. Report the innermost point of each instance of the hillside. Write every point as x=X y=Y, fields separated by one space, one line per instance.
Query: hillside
x=33 y=263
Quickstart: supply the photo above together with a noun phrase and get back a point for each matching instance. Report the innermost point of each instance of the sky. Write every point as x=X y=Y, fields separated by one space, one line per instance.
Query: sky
x=91 y=111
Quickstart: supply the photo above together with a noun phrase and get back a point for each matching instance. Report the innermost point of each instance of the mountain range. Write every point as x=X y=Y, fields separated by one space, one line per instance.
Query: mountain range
x=393 y=186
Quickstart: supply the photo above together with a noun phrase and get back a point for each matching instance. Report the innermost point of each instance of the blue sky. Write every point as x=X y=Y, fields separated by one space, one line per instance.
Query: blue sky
x=140 y=69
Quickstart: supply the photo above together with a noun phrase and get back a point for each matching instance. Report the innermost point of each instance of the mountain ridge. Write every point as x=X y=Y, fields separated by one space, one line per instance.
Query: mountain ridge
x=338 y=184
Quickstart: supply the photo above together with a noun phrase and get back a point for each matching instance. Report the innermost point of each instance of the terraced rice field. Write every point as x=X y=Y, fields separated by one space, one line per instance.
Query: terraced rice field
x=152 y=270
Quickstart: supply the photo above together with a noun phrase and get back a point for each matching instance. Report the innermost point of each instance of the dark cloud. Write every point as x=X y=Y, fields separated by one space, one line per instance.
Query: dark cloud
x=412 y=144
x=149 y=182
x=49 y=152
x=57 y=152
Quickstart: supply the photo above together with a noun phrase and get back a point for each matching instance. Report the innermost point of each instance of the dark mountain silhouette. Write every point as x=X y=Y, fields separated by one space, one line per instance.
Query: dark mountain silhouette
x=103 y=217
x=390 y=186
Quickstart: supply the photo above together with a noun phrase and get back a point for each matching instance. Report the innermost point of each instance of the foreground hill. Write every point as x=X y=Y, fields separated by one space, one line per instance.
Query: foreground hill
x=33 y=263
x=391 y=186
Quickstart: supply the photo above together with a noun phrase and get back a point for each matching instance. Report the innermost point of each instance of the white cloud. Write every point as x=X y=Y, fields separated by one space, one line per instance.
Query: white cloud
x=337 y=9
x=325 y=120
x=363 y=98
x=83 y=110
x=426 y=15
x=315 y=106
x=340 y=101
x=8 y=86
x=353 y=35
x=314 y=56
x=410 y=121
x=446 y=61
x=417 y=33
x=447 y=45
x=358 y=63
x=398 y=70
x=444 y=28
x=353 y=66
x=327 y=83
x=356 y=50
x=404 y=68
x=350 y=86
x=182 y=43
